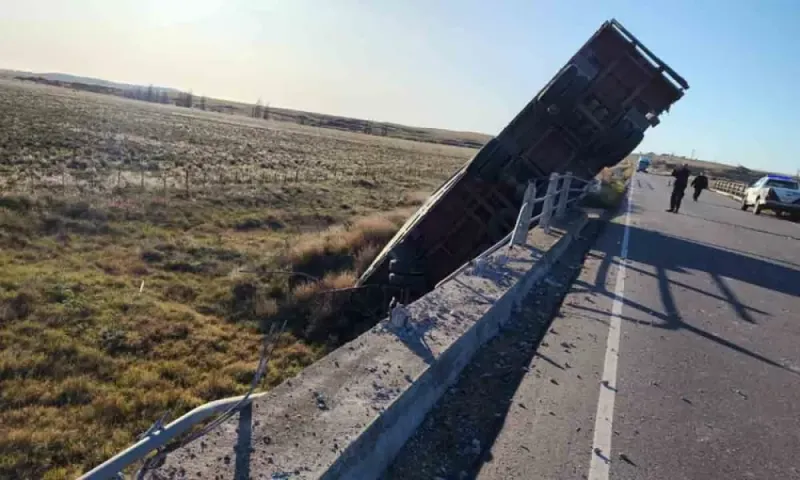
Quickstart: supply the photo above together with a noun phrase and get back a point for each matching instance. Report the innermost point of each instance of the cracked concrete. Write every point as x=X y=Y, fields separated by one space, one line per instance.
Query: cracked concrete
x=376 y=389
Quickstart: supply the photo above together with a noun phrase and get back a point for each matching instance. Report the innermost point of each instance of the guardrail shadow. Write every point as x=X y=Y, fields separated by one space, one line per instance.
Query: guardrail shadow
x=739 y=225
x=667 y=253
x=244 y=442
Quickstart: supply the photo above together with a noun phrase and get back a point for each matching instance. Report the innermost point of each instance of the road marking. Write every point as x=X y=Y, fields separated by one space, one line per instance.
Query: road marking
x=603 y=428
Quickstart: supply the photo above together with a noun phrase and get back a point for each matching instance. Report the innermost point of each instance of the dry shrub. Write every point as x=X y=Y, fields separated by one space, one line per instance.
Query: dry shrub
x=415 y=198
x=331 y=281
x=16 y=307
x=364 y=258
x=215 y=386
x=337 y=248
x=242 y=372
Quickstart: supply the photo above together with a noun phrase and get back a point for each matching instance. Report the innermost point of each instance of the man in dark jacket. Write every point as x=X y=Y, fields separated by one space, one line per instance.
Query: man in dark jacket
x=678 y=187
x=699 y=183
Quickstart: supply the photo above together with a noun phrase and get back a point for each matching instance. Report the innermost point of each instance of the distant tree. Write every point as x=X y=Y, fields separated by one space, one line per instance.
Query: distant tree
x=150 y=96
x=257 y=109
x=202 y=103
x=188 y=100
x=164 y=98
x=265 y=116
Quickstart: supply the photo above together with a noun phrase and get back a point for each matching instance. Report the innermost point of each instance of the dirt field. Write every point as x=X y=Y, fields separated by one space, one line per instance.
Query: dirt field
x=141 y=251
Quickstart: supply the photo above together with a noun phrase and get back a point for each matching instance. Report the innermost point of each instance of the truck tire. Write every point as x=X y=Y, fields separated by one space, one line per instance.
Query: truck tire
x=744 y=204
x=757 y=207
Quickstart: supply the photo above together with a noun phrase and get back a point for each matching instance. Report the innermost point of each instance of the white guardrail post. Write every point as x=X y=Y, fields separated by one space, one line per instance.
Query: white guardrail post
x=566 y=184
x=549 y=199
x=520 y=233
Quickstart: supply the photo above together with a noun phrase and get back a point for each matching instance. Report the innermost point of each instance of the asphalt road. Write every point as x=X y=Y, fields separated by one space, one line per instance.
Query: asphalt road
x=675 y=355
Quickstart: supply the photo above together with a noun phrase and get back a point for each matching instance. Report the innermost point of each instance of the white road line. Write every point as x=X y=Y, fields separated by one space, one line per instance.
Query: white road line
x=601 y=445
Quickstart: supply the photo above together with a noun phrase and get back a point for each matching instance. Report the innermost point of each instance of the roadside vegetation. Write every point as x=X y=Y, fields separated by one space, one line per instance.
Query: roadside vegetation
x=612 y=188
x=121 y=301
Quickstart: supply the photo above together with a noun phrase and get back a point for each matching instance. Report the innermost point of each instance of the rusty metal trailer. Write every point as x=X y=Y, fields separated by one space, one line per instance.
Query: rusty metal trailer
x=591 y=115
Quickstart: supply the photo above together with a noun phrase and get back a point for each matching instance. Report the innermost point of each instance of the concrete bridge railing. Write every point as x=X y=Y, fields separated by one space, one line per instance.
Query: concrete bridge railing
x=501 y=275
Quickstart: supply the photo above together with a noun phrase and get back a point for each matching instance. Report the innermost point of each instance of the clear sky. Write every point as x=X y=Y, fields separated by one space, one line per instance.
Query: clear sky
x=457 y=64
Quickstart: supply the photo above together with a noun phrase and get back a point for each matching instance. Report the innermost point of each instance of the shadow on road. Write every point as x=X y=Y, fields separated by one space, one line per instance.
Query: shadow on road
x=666 y=254
x=738 y=225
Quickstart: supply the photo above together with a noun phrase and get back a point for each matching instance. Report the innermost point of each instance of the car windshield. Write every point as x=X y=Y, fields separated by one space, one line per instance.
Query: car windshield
x=788 y=184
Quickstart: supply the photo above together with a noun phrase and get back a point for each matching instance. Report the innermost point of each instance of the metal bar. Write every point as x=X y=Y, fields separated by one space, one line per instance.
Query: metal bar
x=652 y=56
x=566 y=181
x=157 y=439
x=524 y=217
x=547 y=209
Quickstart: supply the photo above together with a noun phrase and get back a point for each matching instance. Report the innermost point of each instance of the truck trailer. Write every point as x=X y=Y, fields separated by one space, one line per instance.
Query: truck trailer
x=592 y=114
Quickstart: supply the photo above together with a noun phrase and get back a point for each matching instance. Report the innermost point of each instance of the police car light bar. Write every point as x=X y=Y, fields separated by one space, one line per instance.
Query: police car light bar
x=780 y=177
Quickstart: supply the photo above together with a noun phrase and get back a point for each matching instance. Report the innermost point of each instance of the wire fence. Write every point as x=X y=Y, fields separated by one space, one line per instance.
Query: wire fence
x=199 y=180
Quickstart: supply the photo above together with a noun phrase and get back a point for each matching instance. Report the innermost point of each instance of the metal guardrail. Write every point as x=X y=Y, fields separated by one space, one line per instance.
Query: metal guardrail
x=556 y=203
x=158 y=437
x=733 y=188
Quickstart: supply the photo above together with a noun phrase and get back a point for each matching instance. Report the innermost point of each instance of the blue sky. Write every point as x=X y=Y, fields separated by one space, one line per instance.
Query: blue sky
x=464 y=65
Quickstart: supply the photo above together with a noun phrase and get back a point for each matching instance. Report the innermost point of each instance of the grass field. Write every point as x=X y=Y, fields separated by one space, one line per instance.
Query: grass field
x=140 y=255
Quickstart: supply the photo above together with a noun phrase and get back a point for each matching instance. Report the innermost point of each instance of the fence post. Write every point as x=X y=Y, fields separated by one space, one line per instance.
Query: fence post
x=566 y=184
x=524 y=218
x=549 y=199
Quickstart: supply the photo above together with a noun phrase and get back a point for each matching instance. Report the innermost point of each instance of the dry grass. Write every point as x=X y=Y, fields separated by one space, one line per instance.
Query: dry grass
x=117 y=305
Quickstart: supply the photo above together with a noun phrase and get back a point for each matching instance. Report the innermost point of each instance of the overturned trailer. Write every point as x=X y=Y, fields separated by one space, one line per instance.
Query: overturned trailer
x=591 y=115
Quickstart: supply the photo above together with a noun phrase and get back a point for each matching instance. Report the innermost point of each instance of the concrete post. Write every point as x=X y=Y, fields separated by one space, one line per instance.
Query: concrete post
x=520 y=234
x=566 y=184
x=549 y=200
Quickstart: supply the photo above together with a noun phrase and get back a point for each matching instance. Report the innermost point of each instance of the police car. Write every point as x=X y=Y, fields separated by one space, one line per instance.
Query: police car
x=778 y=193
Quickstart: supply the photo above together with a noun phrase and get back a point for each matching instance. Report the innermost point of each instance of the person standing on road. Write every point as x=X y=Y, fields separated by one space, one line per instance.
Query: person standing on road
x=679 y=187
x=699 y=183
